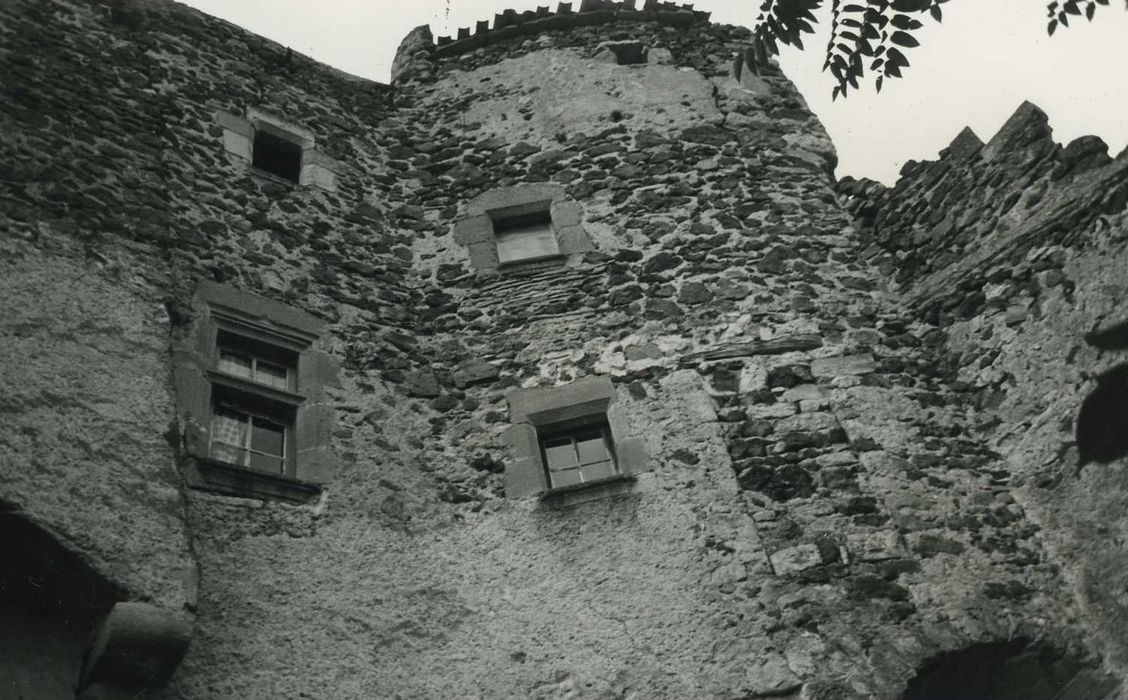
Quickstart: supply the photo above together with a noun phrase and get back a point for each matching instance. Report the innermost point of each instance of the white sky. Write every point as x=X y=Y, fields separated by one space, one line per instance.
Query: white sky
x=973 y=69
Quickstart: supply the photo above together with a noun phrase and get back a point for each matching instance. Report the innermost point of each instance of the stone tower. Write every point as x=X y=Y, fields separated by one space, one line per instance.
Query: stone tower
x=562 y=367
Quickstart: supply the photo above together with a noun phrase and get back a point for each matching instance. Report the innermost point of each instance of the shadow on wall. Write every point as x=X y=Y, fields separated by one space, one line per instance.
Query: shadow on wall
x=1009 y=670
x=1102 y=422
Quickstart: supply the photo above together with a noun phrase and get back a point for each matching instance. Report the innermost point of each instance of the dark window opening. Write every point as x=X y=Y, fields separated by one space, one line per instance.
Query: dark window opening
x=578 y=452
x=529 y=236
x=628 y=53
x=277 y=155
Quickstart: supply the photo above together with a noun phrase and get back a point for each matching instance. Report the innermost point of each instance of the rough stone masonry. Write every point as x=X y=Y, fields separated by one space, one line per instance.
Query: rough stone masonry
x=868 y=441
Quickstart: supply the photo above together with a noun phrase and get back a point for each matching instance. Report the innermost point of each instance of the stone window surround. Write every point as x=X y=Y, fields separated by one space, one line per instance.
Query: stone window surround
x=221 y=307
x=475 y=228
x=317 y=169
x=530 y=409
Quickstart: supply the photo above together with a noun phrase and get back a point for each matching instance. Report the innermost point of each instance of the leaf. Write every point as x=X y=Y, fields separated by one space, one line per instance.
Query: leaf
x=904 y=39
x=880 y=80
x=937 y=14
x=1053 y=25
x=895 y=57
x=905 y=22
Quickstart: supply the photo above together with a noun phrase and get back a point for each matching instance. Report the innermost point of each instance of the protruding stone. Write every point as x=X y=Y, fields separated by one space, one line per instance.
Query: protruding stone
x=411 y=57
x=138 y=647
x=966 y=144
x=1027 y=125
x=473 y=371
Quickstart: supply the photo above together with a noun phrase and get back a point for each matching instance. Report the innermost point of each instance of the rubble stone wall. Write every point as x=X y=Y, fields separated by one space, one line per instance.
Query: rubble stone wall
x=1012 y=250
x=820 y=514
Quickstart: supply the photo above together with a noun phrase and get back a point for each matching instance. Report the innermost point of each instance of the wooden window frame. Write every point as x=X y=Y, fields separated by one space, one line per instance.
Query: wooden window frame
x=571 y=430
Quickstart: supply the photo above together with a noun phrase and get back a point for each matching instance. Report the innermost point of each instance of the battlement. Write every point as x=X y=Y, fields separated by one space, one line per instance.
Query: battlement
x=510 y=23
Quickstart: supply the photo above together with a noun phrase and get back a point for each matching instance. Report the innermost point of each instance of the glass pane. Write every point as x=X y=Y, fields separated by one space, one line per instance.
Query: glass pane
x=233 y=363
x=565 y=478
x=266 y=463
x=229 y=427
x=592 y=448
x=228 y=453
x=268 y=437
x=526 y=241
x=559 y=454
x=595 y=472
x=271 y=375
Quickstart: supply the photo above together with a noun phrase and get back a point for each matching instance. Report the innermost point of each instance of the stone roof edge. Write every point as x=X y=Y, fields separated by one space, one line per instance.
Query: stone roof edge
x=510 y=23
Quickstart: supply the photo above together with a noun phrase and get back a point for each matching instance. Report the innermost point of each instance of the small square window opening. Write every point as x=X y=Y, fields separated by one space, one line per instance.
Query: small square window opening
x=527 y=237
x=578 y=454
x=629 y=53
x=277 y=155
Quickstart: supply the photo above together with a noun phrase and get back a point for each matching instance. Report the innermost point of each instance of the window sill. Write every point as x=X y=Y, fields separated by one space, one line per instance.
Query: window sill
x=276 y=179
x=232 y=480
x=591 y=491
x=533 y=264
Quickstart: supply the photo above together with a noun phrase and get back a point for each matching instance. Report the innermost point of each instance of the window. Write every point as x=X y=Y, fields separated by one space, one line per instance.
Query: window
x=253 y=404
x=244 y=438
x=628 y=53
x=278 y=148
x=578 y=452
x=277 y=155
x=510 y=226
x=251 y=393
x=569 y=439
x=256 y=361
x=526 y=237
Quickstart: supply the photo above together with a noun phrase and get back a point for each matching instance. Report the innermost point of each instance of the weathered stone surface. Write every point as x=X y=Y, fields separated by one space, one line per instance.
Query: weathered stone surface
x=793 y=559
x=473 y=371
x=840 y=366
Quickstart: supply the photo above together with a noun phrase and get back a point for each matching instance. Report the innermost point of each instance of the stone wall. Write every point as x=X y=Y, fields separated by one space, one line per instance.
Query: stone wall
x=1010 y=249
x=820 y=512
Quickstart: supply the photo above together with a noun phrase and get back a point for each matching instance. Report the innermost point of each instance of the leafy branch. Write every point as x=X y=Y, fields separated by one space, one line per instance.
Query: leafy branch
x=866 y=36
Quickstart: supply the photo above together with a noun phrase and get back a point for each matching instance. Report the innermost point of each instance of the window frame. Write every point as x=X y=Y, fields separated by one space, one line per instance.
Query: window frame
x=286 y=459
x=572 y=430
x=234 y=321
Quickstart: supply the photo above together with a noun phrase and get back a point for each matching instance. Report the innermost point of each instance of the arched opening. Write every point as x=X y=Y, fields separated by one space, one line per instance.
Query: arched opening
x=1010 y=670
x=1101 y=434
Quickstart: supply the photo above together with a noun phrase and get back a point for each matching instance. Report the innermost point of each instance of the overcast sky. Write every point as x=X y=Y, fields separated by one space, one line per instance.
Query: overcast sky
x=973 y=69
